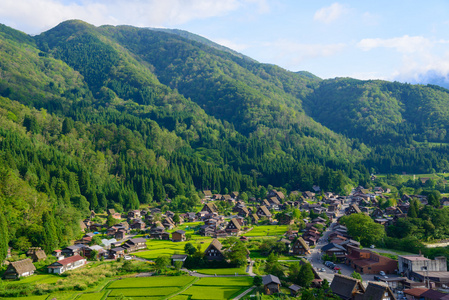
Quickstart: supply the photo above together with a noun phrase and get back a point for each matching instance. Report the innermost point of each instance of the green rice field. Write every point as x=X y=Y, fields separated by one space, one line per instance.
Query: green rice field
x=148 y=282
x=91 y=296
x=267 y=230
x=217 y=288
x=224 y=271
x=159 y=247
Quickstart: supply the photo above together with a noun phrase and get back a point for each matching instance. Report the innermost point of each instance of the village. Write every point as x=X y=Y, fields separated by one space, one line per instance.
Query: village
x=301 y=229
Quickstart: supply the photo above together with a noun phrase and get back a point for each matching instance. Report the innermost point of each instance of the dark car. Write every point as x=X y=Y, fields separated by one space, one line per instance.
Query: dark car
x=377 y=278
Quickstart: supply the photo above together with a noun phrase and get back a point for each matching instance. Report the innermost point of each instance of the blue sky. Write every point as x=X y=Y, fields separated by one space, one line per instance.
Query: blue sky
x=392 y=40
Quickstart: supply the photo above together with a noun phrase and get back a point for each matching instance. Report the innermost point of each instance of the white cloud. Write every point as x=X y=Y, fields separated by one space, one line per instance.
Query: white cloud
x=33 y=16
x=289 y=53
x=330 y=13
x=230 y=44
x=404 y=44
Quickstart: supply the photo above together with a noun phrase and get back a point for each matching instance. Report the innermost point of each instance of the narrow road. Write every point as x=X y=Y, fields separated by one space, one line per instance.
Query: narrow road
x=244 y=293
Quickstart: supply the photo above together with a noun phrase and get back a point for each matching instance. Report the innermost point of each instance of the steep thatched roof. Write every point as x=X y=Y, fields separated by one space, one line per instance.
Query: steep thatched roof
x=23 y=266
x=345 y=287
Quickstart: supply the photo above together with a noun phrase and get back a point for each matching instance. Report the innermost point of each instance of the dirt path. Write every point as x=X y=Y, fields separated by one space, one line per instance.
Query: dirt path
x=244 y=293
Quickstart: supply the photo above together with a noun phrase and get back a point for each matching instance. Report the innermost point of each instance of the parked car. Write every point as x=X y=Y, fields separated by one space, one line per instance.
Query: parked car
x=382 y=273
x=127 y=257
x=372 y=246
x=376 y=278
x=337 y=268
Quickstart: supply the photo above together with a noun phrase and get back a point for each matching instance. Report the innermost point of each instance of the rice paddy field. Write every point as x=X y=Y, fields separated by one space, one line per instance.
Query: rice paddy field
x=224 y=271
x=159 y=247
x=267 y=230
x=149 y=287
x=217 y=288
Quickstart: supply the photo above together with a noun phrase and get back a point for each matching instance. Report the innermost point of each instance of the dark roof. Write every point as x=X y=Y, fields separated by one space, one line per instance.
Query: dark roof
x=344 y=286
x=294 y=287
x=180 y=232
x=136 y=240
x=269 y=279
x=179 y=256
x=23 y=266
x=375 y=291
x=118 y=249
x=332 y=245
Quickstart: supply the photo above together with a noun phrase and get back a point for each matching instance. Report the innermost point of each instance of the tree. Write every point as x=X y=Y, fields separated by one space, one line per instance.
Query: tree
x=357 y=276
x=305 y=275
x=94 y=255
x=178 y=265
x=110 y=221
x=189 y=249
x=4 y=237
x=162 y=262
x=176 y=218
x=362 y=228
x=237 y=252
x=50 y=239
x=257 y=280
x=96 y=240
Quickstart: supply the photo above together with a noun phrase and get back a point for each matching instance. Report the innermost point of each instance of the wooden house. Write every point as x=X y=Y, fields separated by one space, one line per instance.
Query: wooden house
x=210 y=208
x=353 y=209
x=72 y=250
x=207 y=194
x=378 y=291
x=214 y=251
x=135 y=244
x=346 y=287
x=233 y=227
x=263 y=212
x=271 y=284
x=117 y=252
x=286 y=219
x=300 y=247
x=178 y=236
x=18 y=269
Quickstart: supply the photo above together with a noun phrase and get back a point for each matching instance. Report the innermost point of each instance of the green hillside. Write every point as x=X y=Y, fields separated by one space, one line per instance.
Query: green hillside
x=114 y=117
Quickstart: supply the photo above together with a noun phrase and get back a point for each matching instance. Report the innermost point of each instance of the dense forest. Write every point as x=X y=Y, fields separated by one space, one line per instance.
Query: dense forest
x=114 y=117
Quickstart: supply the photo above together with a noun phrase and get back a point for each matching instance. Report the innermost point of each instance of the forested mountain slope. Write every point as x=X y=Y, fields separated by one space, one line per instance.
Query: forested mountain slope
x=382 y=112
x=113 y=117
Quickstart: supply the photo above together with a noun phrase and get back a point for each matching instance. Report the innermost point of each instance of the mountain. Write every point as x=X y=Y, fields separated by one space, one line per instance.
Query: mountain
x=114 y=117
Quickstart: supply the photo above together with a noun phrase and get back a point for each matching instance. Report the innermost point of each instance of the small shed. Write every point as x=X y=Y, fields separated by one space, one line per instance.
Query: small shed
x=271 y=284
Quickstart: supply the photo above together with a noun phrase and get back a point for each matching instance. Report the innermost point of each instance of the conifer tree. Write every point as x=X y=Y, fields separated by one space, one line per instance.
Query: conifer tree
x=4 y=237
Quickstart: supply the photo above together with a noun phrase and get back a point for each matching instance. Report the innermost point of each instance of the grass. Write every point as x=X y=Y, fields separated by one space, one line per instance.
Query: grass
x=143 y=292
x=267 y=230
x=149 y=287
x=91 y=296
x=224 y=271
x=225 y=281
x=41 y=297
x=256 y=254
x=159 y=247
x=216 y=288
x=148 y=282
x=44 y=278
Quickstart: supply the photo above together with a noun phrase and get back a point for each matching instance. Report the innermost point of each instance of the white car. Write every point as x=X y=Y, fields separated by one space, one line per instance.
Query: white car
x=382 y=273
x=127 y=257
